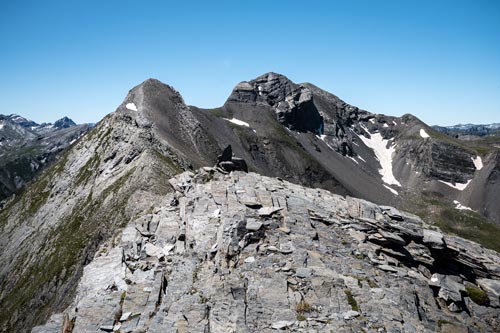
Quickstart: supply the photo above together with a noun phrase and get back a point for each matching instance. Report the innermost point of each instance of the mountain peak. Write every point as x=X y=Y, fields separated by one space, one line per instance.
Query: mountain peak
x=269 y=88
x=151 y=82
x=152 y=92
x=21 y=121
x=271 y=76
x=155 y=85
x=64 y=122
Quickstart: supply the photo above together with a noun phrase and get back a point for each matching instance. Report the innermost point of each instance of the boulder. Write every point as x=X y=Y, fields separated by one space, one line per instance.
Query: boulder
x=240 y=164
x=228 y=163
x=392 y=237
x=492 y=288
x=268 y=211
x=226 y=155
x=253 y=225
x=433 y=239
x=449 y=288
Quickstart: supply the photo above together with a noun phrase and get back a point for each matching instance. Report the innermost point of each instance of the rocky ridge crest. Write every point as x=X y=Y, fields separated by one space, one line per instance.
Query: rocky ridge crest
x=50 y=231
x=247 y=253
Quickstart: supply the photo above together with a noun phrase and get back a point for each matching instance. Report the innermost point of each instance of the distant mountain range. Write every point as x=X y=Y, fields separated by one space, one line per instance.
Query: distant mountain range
x=470 y=131
x=27 y=147
x=32 y=126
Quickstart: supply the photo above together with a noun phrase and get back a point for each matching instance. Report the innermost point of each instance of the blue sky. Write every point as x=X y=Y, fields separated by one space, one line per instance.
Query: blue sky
x=439 y=60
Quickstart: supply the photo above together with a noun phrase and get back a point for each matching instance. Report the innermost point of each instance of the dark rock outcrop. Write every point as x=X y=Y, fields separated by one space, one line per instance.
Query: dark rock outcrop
x=299 y=113
x=228 y=163
x=270 y=88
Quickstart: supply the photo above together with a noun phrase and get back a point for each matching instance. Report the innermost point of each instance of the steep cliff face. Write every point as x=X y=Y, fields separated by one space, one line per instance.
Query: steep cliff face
x=246 y=253
x=268 y=89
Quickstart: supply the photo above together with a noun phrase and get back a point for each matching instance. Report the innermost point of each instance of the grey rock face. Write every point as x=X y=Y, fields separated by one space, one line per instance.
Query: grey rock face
x=270 y=88
x=220 y=266
x=443 y=161
x=299 y=113
x=492 y=287
x=433 y=239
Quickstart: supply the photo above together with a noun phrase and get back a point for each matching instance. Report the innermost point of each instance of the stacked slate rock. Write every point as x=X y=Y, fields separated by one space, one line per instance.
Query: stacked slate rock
x=242 y=252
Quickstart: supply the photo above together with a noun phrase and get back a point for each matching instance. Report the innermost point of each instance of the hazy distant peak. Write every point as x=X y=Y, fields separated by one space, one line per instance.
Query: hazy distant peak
x=64 y=122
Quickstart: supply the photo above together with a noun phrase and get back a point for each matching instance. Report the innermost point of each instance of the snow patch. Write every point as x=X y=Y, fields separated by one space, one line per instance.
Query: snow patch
x=131 y=106
x=385 y=125
x=1 y=125
x=457 y=186
x=459 y=206
x=322 y=137
x=424 y=134
x=395 y=124
x=383 y=154
x=372 y=120
x=478 y=162
x=364 y=128
x=391 y=189
x=352 y=158
x=238 y=122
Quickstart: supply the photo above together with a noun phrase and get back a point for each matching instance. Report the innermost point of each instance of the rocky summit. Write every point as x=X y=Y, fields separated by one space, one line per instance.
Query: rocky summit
x=242 y=252
x=283 y=209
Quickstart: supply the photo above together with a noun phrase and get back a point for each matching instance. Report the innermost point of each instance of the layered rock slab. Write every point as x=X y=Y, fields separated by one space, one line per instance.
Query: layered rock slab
x=318 y=263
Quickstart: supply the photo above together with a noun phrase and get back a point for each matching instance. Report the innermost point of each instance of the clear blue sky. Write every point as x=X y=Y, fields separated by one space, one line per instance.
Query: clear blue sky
x=439 y=60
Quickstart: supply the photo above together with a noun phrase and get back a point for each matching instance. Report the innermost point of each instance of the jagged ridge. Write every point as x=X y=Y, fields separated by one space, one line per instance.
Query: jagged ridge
x=247 y=253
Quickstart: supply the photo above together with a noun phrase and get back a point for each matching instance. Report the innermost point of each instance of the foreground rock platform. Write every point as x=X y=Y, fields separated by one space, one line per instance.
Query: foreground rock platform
x=241 y=252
